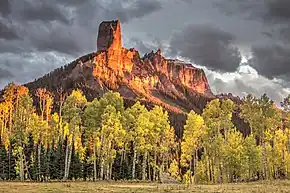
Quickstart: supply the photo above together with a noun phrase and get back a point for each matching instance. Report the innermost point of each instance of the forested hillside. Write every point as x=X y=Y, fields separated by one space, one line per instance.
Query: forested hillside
x=81 y=140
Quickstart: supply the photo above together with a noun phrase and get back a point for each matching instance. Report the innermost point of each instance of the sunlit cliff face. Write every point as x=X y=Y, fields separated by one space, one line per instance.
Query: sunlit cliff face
x=151 y=77
x=117 y=64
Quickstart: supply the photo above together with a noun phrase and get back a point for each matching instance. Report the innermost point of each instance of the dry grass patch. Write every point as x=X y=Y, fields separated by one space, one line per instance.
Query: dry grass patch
x=107 y=187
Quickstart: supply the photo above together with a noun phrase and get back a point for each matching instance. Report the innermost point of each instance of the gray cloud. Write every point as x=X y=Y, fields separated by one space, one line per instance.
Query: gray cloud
x=272 y=60
x=42 y=35
x=25 y=67
x=62 y=39
x=5 y=74
x=242 y=84
x=207 y=46
x=128 y=10
x=71 y=30
x=277 y=10
x=71 y=2
x=272 y=11
x=43 y=11
x=146 y=47
x=6 y=31
x=31 y=31
x=5 y=7
x=140 y=46
x=141 y=8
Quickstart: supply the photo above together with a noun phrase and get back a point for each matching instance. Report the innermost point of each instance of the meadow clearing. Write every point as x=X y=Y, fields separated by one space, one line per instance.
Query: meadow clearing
x=104 y=187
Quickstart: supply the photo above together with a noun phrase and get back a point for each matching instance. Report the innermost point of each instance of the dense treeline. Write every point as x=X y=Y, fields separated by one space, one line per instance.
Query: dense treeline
x=102 y=140
x=226 y=155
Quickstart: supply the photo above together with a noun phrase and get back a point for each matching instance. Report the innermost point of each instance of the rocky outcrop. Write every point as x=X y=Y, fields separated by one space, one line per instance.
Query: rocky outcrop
x=153 y=74
x=109 y=36
x=152 y=79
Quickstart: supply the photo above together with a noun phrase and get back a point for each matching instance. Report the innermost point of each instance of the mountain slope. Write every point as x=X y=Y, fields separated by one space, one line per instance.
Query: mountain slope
x=177 y=86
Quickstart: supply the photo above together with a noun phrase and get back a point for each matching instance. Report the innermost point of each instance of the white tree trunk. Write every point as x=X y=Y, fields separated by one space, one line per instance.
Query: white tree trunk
x=66 y=161
x=39 y=164
x=154 y=167
x=95 y=164
x=69 y=161
x=21 y=167
x=144 y=166
x=134 y=163
x=102 y=169
x=111 y=168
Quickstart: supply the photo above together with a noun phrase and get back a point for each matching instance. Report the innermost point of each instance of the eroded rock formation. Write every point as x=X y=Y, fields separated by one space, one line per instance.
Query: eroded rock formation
x=152 y=79
x=153 y=74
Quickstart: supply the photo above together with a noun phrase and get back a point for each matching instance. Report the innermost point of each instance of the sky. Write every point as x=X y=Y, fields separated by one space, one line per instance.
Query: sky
x=243 y=45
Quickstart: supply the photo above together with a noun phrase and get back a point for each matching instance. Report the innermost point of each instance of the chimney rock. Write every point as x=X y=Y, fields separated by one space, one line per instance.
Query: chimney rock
x=109 y=36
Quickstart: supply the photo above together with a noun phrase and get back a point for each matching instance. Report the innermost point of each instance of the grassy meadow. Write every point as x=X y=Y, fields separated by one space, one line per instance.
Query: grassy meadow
x=104 y=187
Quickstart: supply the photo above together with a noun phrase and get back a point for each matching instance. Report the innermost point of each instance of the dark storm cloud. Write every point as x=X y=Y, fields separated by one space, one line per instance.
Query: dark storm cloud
x=264 y=10
x=133 y=9
x=60 y=39
x=43 y=11
x=142 y=8
x=68 y=27
x=5 y=74
x=272 y=60
x=7 y=32
x=285 y=33
x=12 y=46
x=32 y=32
x=207 y=46
x=277 y=10
x=71 y=2
x=5 y=7
x=80 y=38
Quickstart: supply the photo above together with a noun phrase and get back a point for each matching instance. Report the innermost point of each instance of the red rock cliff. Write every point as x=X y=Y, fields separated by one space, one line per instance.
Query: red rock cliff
x=116 y=64
x=173 y=84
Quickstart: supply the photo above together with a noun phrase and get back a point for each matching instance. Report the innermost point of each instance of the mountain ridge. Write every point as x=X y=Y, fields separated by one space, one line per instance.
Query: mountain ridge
x=116 y=68
x=152 y=79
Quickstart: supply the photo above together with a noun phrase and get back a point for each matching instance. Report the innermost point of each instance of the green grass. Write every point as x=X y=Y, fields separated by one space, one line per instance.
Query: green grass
x=100 y=187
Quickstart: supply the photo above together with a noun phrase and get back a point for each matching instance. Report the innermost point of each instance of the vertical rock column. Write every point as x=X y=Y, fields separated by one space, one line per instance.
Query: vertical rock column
x=109 y=40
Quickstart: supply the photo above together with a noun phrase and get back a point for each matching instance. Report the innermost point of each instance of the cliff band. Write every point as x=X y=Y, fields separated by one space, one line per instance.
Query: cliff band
x=173 y=84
